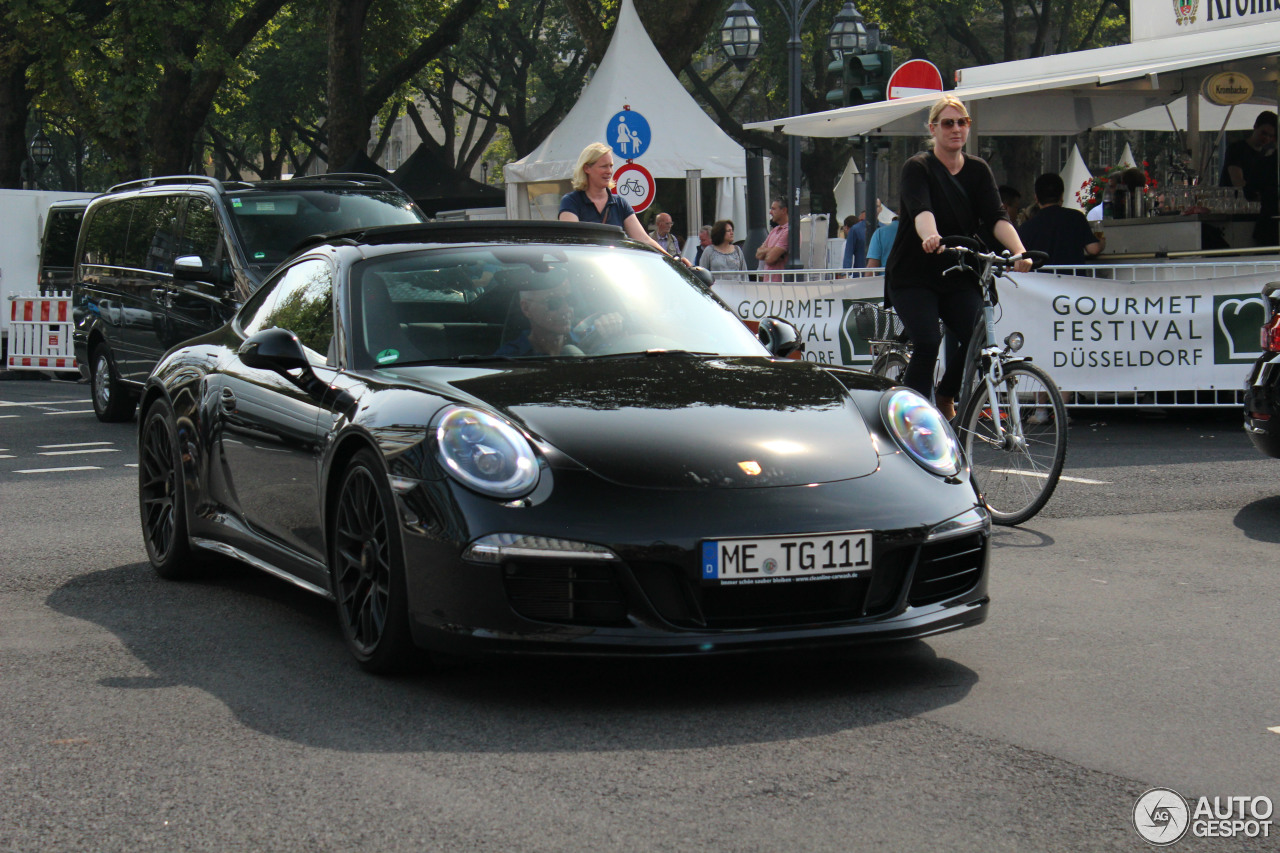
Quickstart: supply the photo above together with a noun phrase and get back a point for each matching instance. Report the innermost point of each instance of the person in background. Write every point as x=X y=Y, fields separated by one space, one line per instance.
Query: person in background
x=1250 y=164
x=593 y=199
x=944 y=192
x=881 y=244
x=662 y=234
x=772 y=253
x=1011 y=198
x=723 y=255
x=855 y=241
x=1060 y=232
x=704 y=240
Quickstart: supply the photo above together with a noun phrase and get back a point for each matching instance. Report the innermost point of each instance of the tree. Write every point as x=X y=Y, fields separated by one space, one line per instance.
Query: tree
x=351 y=104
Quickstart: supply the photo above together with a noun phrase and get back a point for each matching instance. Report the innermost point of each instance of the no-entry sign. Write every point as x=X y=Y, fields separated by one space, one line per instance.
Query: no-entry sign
x=914 y=77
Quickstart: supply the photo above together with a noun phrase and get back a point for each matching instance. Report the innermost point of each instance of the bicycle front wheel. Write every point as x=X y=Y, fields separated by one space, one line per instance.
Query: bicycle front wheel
x=1016 y=466
x=892 y=365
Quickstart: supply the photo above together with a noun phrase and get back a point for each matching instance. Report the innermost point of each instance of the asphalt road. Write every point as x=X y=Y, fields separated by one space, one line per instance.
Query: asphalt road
x=1131 y=644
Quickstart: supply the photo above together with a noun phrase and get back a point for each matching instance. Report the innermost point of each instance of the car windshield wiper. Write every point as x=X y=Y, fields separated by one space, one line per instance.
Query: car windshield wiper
x=655 y=353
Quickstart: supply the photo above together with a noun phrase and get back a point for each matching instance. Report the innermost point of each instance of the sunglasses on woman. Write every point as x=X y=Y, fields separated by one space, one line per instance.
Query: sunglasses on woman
x=949 y=123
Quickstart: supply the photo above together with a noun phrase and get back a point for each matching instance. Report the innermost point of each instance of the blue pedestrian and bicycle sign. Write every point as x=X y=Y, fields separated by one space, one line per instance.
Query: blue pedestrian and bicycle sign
x=628 y=134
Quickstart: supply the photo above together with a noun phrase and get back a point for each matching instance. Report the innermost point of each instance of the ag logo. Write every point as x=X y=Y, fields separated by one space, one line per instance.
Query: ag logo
x=1161 y=816
x=1236 y=321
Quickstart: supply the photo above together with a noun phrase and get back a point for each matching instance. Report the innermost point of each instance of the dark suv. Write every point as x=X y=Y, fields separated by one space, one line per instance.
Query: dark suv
x=1262 y=389
x=163 y=260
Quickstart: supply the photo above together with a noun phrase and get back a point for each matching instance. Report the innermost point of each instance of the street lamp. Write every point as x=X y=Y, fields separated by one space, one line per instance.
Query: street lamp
x=41 y=152
x=848 y=33
x=740 y=41
x=484 y=172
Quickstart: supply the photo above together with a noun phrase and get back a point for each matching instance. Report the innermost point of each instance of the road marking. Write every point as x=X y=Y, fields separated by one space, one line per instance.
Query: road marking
x=77 y=452
x=57 y=470
x=75 y=412
x=1274 y=729
x=8 y=416
x=1087 y=482
x=77 y=444
x=9 y=403
x=6 y=456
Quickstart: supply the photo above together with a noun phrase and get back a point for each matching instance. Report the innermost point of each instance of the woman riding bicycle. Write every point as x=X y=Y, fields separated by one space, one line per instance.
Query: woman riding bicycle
x=944 y=191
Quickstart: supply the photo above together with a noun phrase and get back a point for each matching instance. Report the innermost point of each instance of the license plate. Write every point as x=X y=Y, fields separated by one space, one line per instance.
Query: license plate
x=770 y=559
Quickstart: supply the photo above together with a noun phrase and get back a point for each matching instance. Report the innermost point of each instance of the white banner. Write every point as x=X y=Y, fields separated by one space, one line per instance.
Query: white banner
x=1090 y=334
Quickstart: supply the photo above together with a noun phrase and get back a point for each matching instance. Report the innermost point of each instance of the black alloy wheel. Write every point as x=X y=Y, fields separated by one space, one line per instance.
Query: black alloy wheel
x=160 y=495
x=367 y=566
x=112 y=402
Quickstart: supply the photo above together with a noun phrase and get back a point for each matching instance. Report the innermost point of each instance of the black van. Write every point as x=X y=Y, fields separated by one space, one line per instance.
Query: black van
x=162 y=260
x=58 y=244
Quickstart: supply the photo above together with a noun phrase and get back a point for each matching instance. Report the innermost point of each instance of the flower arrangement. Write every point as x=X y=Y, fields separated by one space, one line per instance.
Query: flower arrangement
x=1133 y=178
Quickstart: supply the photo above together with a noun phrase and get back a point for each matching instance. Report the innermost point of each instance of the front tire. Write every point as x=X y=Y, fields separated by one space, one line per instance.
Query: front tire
x=366 y=561
x=1016 y=476
x=112 y=402
x=892 y=366
x=161 y=495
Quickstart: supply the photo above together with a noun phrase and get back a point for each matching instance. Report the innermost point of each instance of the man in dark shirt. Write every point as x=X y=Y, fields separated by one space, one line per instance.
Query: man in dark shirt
x=1060 y=232
x=1250 y=164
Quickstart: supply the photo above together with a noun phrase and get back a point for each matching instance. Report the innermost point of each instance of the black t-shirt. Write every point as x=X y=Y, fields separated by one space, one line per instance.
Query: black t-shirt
x=1259 y=170
x=1060 y=232
x=970 y=209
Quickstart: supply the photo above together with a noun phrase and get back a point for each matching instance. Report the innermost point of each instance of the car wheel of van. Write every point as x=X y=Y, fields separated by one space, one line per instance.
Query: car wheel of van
x=366 y=562
x=111 y=400
x=161 y=495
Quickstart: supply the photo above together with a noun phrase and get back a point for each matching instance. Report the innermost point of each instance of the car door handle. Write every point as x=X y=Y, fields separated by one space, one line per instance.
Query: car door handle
x=161 y=296
x=228 y=400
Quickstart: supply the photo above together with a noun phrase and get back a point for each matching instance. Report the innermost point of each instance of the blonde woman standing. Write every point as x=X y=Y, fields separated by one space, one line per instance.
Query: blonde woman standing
x=593 y=198
x=945 y=192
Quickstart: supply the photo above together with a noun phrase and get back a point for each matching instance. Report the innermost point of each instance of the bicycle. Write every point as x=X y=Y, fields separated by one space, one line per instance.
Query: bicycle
x=883 y=332
x=1012 y=419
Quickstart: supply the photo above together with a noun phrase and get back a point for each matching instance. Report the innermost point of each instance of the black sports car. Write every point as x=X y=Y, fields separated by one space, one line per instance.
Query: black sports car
x=1262 y=388
x=522 y=437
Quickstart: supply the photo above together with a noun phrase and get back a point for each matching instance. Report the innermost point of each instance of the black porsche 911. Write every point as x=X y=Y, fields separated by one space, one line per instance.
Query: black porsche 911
x=543 y=438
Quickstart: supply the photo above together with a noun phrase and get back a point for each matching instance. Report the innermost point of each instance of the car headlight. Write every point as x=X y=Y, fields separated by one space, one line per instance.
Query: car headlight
x=922 y=432
x=485 y=453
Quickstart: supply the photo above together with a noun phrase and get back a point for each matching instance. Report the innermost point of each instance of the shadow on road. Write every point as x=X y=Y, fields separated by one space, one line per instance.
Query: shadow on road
x=1260 y=520
x=273 y=655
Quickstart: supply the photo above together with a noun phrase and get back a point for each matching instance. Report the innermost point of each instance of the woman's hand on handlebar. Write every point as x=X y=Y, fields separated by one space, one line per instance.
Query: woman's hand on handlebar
x=932 y=244
x=1022 y=264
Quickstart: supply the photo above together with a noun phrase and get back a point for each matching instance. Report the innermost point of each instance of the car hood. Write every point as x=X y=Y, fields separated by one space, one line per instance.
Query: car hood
x=678 y=421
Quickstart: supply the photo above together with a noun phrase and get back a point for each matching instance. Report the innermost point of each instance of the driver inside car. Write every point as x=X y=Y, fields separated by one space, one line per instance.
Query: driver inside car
x=551 y=329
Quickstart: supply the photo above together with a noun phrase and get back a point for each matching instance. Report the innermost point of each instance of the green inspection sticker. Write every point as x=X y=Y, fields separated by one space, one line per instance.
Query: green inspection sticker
x=235 y=202
x=259 y=255
x=388 y=355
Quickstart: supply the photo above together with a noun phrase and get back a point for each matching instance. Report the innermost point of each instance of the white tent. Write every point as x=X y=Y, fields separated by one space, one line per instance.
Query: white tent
x=846 y=191
x=1126 y=160
x=1074 y=174
x=1173 y=116
x=632 y=74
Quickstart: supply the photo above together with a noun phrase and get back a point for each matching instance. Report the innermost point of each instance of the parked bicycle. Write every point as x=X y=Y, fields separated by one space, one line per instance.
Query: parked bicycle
x=1012 y=419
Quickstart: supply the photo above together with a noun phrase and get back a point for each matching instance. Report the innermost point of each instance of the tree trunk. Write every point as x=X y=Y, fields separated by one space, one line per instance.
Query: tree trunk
x=15 y=104
x=347 y=127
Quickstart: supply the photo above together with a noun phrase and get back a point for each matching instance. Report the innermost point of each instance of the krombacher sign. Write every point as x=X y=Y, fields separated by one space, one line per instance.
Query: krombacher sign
x=1228 y=88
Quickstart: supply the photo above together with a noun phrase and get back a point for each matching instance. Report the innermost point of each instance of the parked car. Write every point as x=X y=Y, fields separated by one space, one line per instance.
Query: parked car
x=1262 y=389
x=380 y=424
x=58 y=245
x=176 y=256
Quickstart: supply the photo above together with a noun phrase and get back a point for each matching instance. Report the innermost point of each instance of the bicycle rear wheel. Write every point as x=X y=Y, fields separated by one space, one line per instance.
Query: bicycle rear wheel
x=892 y=365
x=1016 y=475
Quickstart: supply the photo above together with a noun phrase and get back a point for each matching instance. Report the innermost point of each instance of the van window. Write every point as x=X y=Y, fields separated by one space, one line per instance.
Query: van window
x=153 y=228
x=105 y=234
x=60 y=234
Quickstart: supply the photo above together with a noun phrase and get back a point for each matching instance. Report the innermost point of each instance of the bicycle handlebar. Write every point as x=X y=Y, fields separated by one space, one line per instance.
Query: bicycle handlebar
x=967 y=246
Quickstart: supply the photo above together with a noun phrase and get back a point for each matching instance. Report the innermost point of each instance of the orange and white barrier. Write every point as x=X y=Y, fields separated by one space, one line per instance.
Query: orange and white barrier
x=40 y=333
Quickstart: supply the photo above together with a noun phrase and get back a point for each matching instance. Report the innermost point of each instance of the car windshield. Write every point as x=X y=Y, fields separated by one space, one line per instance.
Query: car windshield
x=272 y=222
x=535 y=302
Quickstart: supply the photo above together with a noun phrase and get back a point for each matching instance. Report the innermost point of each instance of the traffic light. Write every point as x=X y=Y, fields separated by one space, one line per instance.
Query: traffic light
x=863 y=78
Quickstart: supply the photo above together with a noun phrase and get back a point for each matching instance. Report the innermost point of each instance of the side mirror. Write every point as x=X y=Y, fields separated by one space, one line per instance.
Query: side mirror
x=779 y=337
x=278 y=350
x=704 y=275
x=192 y=268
